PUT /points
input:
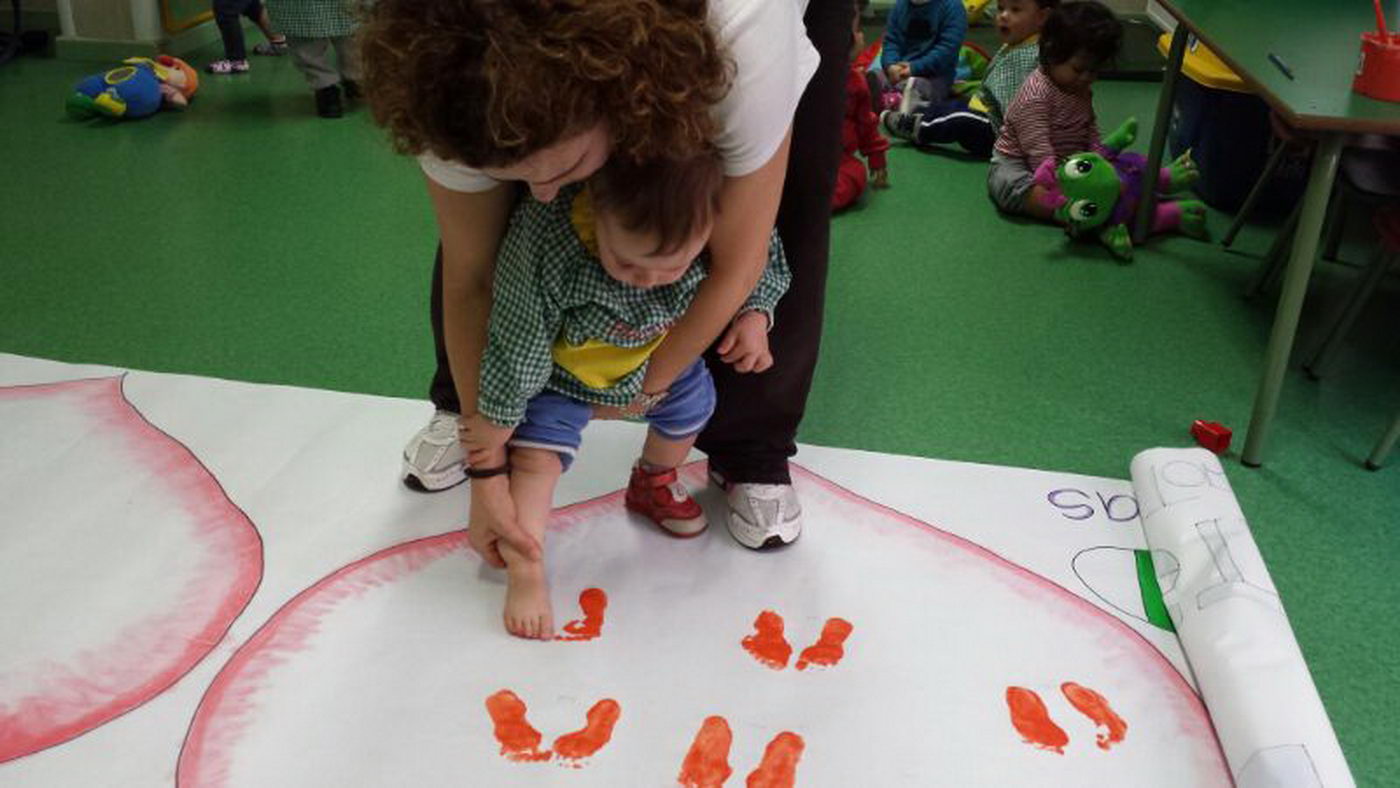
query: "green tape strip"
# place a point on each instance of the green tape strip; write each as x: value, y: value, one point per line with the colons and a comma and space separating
x: 1152, y: 602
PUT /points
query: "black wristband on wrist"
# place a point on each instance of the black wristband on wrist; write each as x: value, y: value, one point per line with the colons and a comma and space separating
x: 486, y: 473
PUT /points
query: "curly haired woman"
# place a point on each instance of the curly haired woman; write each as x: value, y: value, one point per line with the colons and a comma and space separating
x: 486, y: 92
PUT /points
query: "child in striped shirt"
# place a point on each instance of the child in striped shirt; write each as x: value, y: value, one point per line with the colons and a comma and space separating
x: 1052, y: 116
x: 586, y: 288
x: 974, y: 124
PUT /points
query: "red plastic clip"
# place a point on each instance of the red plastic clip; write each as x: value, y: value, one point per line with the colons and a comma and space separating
x: 1211, y: 435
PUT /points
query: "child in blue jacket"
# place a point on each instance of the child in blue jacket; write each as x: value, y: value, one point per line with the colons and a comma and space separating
x: 920, y: 52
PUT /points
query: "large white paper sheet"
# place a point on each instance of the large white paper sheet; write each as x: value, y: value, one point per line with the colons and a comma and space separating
x: 968, y: 624
x: 1232, y: 625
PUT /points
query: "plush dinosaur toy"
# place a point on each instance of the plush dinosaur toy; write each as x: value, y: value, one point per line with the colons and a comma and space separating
x: 135, y: 89
x: 1097, y: 194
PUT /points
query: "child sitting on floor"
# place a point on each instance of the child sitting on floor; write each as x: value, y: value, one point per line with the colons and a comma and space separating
x: 975, y: 124
x: 1052, y: 115
x: 586, y: 287
x: 859, y: 132
x: 920, y: 52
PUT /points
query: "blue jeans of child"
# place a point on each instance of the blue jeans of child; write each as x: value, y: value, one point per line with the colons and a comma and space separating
x: 555, y: 422
x: 226, y: 13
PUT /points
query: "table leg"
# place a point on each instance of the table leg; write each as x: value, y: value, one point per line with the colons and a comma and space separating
x: 1290, y: 302
x: 1165, y: 99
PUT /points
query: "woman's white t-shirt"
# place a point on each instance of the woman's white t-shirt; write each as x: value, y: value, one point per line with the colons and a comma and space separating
x: 773, y: 62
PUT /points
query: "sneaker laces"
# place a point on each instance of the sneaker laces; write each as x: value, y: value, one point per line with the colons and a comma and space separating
x: 442, y: 428
x: 764, y: 492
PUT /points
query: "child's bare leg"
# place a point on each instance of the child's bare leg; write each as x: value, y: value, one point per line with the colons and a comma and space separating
x: 265, y: 25
x: 528, y: 613
x: 659, y: 452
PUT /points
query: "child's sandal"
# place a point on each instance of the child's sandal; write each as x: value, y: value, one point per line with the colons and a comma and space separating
x: 227, y: 66
x: 273, y: 47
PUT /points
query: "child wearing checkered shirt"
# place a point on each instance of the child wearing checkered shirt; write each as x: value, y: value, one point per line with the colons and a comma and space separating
x: 586, y: 287
x: 314, y: 28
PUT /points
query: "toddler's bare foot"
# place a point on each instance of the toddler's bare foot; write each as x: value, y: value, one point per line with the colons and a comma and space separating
x: 528, y: 613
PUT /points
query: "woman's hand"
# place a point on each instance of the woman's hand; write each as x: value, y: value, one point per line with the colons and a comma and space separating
x: 480, y: 435
x: 738, y: 255
x: 745, y: 344
x: 492, y: 520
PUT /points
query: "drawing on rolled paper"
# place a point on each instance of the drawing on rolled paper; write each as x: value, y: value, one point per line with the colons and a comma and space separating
x: 1285, y: 764
x: 1179, y: 481
x: 1232, y: 581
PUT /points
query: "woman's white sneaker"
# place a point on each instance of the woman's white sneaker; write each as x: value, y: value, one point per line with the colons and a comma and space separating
x: 433, y: 459
x: 760, y: 515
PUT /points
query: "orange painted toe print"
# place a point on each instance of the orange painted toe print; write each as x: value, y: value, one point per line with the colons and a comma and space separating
x: 767, y: 644
x: 779, y: 766
x: 573, y: 747
x: 594, y: 604
x: 519, y: 740
x: 1095, y: 706
x: 1032, y: 720
x: 707, y: 763
x: 829, y: 648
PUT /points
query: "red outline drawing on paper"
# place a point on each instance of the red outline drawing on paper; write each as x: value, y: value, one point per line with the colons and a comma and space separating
x: 140, y: 652
x: 220, y: 740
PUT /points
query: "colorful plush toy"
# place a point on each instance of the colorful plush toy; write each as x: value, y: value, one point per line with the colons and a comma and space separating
x: 135, y: 89
x: 1094, y: 194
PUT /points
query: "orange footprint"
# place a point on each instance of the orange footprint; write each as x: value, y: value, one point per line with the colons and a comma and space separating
x: 594, y: 603
x: 574, y: 747
x: 767, y: 644
x: 827, y: 651
x: 521, y: 742
x: 779, y: 766
x: 1032, y: 720
x: 1095, y: 706
x: 707, y: 763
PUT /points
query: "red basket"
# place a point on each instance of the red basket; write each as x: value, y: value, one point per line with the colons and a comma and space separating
x: 1378, y: 73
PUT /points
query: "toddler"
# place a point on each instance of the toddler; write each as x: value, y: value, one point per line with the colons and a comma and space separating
x: 859, y: 132
x: 1052, y: 118
x: 974, y: 124
x: 313, y: 28
x: 1052, y: 115
x: 227, y: 15
x: 586, y: 287
x: 919, y: 56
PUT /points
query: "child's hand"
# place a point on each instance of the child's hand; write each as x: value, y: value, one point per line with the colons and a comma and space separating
x: 897, y: 73
x: 745, y: 344
x: 480, y: 435
x: 880, y: 179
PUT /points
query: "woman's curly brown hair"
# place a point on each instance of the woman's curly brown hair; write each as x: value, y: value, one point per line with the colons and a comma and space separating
x: 489, y: 82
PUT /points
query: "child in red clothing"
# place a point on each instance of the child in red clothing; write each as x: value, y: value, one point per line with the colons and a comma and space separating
x: 860, y: 130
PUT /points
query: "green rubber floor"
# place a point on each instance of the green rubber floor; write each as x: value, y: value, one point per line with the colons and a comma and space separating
x: 248, y: 239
